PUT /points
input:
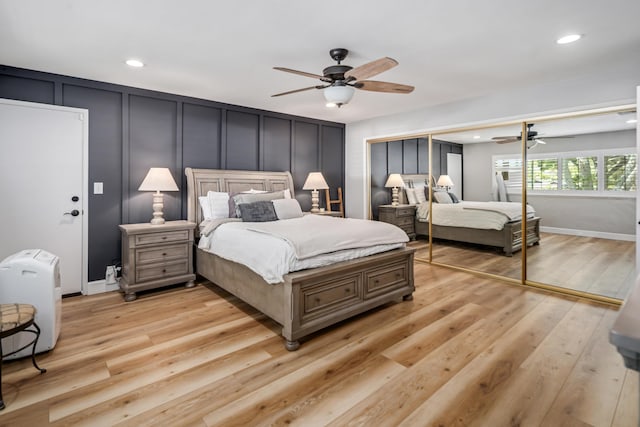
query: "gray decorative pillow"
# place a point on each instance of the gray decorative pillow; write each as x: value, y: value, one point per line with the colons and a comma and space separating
x: 454, y: 198
x: 250, y: 198
x: 261, y: 211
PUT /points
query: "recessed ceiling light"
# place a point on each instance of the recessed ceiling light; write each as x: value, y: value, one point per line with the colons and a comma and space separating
x: 476, y: 136
x: 331, y: 104
x: 632, y: 121
x: 134, y: 63
x: 569, y: 39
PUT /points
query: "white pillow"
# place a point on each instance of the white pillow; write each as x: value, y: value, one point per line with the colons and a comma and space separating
x: 219, y: 204
x: 420, y: 196
x: 287, y: 193
x: 411, y: 195
x: 205, y: 206
x: 442, y: 197
x: 287, y: 208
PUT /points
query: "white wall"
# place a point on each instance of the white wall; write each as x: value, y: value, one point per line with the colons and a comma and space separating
x: 611, y: 86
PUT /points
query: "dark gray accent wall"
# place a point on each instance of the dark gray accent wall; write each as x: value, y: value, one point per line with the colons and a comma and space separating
x: 131, y: 130
x: 408, y: 156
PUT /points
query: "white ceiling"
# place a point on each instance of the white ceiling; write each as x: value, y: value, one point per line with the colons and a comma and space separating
x: 225, y: 50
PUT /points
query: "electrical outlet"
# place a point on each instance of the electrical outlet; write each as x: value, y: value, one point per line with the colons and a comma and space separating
x: 110, y: 275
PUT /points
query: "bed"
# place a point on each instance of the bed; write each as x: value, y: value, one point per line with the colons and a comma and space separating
x: 304, y: 301
x: 504, y: 230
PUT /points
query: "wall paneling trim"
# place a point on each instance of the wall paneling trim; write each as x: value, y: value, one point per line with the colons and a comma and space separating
x: 131, y: 130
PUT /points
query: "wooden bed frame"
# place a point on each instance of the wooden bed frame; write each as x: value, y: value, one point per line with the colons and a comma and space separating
x: 309, y: 300
x: 509, y: 238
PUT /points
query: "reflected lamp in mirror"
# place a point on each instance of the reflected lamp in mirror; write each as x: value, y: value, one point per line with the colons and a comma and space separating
x: 158, y: 179
x: 444, y: 181
x: 394, y: 182
x: 315, y: 181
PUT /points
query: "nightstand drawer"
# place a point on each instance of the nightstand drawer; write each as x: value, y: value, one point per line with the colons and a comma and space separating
x: 167, y: 236
x: 407, y: 211
x: 169, y: 269
x: 404, y: 221
x: 161, y: 254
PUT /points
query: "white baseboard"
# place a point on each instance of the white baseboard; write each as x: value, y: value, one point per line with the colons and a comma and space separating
x: 588, y: 233
x: 100, y: 287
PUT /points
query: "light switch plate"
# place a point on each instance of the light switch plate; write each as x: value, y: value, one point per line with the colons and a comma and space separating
x: 97, y: 188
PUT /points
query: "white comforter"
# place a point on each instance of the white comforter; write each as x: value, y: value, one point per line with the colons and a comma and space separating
x: 482, y: 215
x: 273, y: 249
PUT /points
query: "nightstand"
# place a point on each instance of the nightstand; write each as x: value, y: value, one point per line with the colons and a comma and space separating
x: 402, y: 215
x: 156, y: 255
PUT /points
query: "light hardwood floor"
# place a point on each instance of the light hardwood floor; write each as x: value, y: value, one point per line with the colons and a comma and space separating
x: 599, y: 266
x: 465, y: 351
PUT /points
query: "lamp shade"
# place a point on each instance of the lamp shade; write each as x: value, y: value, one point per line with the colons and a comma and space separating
x: 394, y: 180
x: 158, y: 179
x: 315, y: 181
x: 444, y: 181
x: 338, y: 94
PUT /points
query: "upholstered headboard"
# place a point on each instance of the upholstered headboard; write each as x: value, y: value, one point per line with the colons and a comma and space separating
x: 201, y: 181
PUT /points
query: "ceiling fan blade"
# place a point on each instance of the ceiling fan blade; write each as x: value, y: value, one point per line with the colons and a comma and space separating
x: 375, y: 86
x: 495, y: 138
x: 299, y: 90
x: 371, y: 69
x: 507, y: 140
x: 301, y: 73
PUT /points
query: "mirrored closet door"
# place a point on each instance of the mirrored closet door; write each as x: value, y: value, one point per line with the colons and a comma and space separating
x: 476, y: 210
x: 571, y: 177
x: 581, y: 179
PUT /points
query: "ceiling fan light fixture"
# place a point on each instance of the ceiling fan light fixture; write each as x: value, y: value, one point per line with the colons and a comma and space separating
x: 338, y: 94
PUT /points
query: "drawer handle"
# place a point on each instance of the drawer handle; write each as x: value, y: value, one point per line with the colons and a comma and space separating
x: 346, y: 291
x: 164, y: 254
x: 376, y: 281
x: 164, y: 270
x: 164, y: 237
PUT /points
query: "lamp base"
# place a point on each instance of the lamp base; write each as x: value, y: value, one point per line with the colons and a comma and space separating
x: 394, y: 196
x: 157, y: 209
x: 315, y: 201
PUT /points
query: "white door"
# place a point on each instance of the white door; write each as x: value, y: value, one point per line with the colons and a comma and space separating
x: 454, y: 170
x: 43, y: 185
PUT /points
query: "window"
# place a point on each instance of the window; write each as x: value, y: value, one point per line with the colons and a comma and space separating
x: 598, y: 172
x: 580, y: 173
x: 620, y: 172
x: 542, y: 174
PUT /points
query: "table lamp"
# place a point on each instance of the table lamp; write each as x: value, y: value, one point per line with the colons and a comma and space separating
x: 445, y: 181
x: 158, y: 179
x: 394, y: 181
x: 315, y: 181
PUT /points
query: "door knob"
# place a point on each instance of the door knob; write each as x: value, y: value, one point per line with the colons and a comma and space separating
x: 74, y: 212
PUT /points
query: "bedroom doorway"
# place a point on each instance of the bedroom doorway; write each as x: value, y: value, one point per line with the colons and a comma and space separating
x: 43, y: 175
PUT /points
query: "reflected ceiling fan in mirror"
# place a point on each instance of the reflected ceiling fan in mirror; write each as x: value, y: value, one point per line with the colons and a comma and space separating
x: 341, y: 80
x: 532, y: 138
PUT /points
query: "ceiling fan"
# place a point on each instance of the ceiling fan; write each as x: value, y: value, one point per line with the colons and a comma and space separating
x: 340, y: 80
x: 532, y: 139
